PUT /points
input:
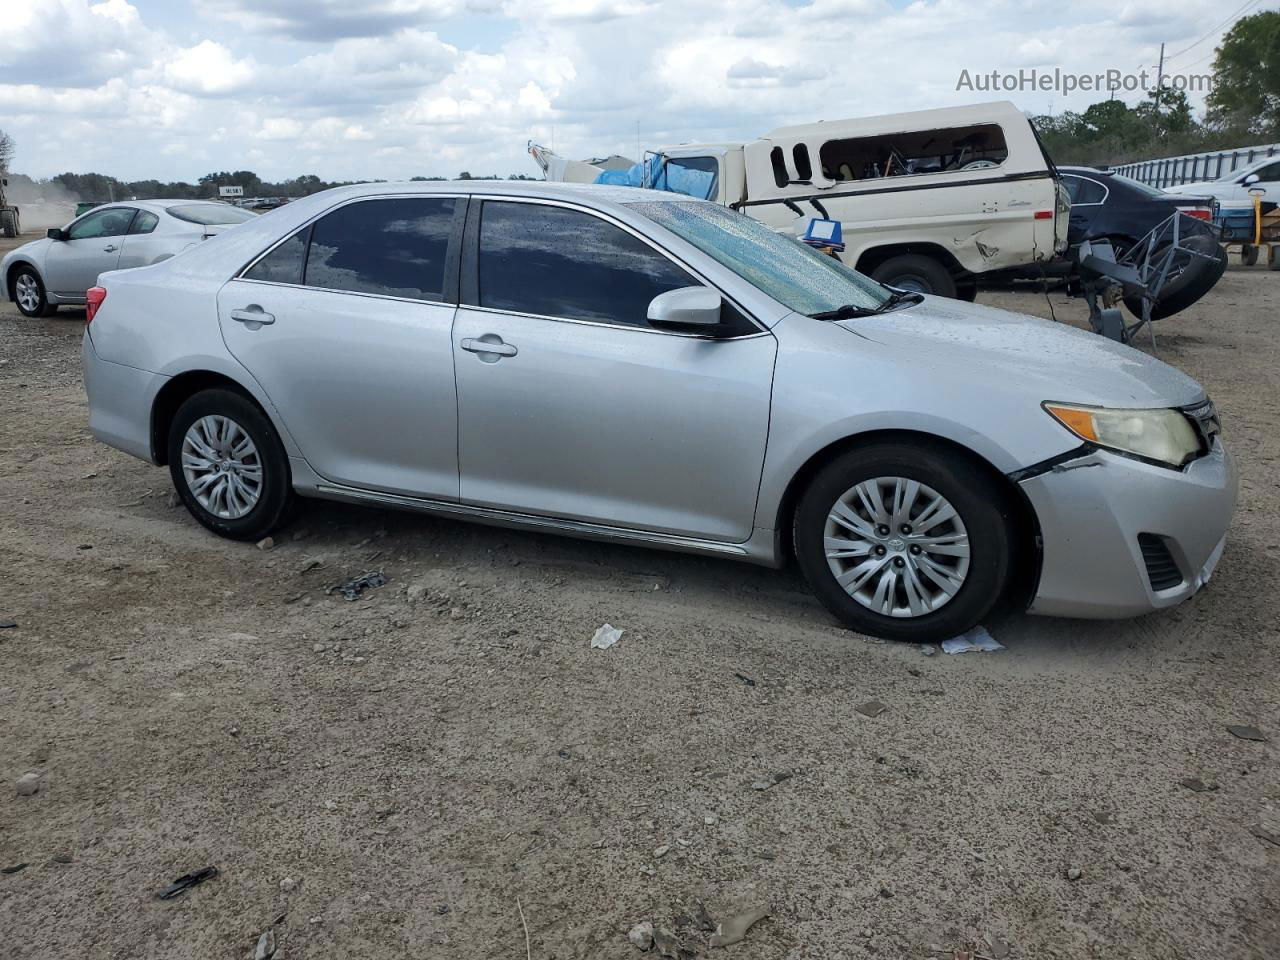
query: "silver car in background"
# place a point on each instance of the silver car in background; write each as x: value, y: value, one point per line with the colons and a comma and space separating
x: 57, y: 269
x: 656, y: 370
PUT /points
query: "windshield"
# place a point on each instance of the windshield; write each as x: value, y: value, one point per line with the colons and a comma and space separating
x: 209, y: 214
x: 789, y: 271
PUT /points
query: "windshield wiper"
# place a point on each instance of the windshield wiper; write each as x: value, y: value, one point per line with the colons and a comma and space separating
x: 846, y: 312
x: 899, y: 297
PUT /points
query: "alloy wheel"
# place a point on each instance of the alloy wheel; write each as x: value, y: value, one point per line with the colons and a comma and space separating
x: 221, y: 466
x: 896, y: 546
x: 27, y: 292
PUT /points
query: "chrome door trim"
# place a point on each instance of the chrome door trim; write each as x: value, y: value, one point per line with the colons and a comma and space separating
x: 614, y: 326
x: 345, y: 293
x: 507, y: 518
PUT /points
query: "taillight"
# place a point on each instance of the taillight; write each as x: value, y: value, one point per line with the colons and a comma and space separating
x: 1200, y: 213
x: 93, y: 298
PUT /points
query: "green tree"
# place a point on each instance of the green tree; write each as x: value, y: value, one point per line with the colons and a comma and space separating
x: 1246, y: 75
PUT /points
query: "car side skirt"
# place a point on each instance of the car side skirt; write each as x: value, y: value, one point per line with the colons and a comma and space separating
x: 759, y: 549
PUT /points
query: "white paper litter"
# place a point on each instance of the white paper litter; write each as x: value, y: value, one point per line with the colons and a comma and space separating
x: 976, y: 640
x: 605, y: 637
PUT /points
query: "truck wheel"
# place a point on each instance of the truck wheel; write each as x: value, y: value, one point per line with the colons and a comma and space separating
x: 29, y: 294
x: 907, y: 541
x: 917, y: 273
x: 9, y: 223
x: 1248, y: 255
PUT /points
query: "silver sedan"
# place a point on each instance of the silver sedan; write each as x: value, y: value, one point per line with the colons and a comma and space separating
x: 655, y: 370
x: 58, y: 268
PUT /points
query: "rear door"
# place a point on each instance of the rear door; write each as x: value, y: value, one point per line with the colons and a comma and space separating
x: 142, y: 245
x: 93, y: 247
x: 346, y: 327
x: 570, y: 405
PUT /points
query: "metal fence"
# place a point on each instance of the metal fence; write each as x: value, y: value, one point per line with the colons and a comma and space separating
x: 1174, y: 171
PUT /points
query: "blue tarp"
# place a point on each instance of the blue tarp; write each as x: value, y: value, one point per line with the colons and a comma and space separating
x: 669, y: 177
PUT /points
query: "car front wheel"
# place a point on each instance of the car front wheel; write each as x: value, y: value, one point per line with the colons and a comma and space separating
x: 29, y: 294
x: 229, y: 466
x: 904, y: 541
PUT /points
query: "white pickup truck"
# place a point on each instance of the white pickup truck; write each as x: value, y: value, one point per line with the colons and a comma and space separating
x: 928, y: 201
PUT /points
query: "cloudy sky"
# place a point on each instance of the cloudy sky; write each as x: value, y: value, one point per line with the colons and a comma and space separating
x: 346, y: 89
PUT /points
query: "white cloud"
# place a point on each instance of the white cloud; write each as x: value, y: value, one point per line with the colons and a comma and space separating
x: 208, y: 68
x: 391, y: 88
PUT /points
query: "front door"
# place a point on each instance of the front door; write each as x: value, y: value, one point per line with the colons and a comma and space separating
x: 93, y: 247
x: 346, y: 325
x: 570, y: 405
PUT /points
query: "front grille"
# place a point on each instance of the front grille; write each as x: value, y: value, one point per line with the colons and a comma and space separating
x: 1161, y: 570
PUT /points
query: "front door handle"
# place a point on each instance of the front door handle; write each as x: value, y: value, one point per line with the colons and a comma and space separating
x: 109, y: 248
x: 490, y: 344
x: 253, y: 316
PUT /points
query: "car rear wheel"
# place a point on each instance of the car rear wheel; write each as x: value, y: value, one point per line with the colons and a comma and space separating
x: 29, y: 294
x: 916, y: 273
x: 229, y: 466
x: 905, y: 541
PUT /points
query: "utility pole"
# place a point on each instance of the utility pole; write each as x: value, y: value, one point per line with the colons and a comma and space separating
x: 1159, y: 78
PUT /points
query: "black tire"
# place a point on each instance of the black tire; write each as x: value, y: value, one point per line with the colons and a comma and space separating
x: 1196, y: 279
x: 9, y: 226
x: 276, y: 499
x: 977, y: 499
x: 1249, y: 255
x: 43, y: 307
x: 915, y: 271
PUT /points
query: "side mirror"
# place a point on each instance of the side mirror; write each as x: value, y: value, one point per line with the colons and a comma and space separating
x: 1251, y: 178
x: 56, y: 233
x: 686, y: 310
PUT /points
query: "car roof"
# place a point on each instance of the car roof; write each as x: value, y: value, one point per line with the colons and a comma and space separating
x: 232, y: 249
x: 592, y: 193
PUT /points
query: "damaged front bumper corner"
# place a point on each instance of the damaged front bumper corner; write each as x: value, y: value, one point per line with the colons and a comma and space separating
x: 1122, y: 537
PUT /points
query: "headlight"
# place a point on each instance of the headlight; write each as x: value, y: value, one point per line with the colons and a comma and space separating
x: 1165, y: 436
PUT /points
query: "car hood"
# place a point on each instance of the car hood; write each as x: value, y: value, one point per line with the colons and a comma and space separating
x: 1055, y: 361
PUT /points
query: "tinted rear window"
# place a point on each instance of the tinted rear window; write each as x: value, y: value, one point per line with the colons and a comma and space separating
x: 393, y: 248
x: 209, y: 214
x: 284, y: 263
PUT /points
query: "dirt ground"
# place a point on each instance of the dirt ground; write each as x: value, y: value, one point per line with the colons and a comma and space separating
x: 432, y: 769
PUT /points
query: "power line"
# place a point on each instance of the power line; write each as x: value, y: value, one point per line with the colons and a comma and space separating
x: 1248, y: 5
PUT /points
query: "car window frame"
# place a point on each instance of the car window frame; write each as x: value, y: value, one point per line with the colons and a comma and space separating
x: 138, y: 212
x: 469, y: 281
x: 1106, y: 190
x: 452, y: 257
x: 98, y: 211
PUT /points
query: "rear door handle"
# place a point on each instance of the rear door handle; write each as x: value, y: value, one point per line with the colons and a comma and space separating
x: 251, y: 315
x: 109, y: 248
x: 489, y: 343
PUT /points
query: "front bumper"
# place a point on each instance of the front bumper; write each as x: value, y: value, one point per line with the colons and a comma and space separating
x: 1091, y: 512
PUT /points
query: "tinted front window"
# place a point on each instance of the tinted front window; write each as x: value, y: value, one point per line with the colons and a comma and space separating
x: 209, y: 214
x: 395, y: 248
x: 284, y: 263
x: 112, y: 222
x: 557, y: 262
x: 144, y: 222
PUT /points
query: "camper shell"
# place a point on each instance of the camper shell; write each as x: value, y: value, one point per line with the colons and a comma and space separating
x: 929, y: 200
